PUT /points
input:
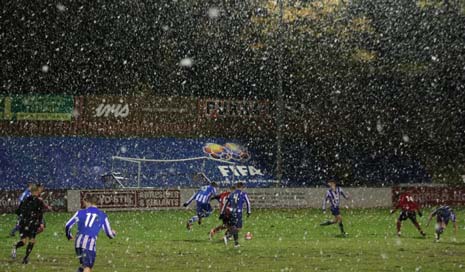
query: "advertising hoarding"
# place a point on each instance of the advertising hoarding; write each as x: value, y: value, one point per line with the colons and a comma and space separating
x: 433, y: 195
x: 56, y: 199
x: 133, y: 199
x: 37, y: 107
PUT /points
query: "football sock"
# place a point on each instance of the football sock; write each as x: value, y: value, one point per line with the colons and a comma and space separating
x: 29, y: 249
x: 399, y: 224
x: 235, y: 234
x: 341, y: 227
x: 417, y: 226
x: 19, y: 244
x: 236, y: 238
x: 421, y: 231
x: 439, y: 231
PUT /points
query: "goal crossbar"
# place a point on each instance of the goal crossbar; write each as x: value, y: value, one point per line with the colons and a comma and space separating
x: 139, y: 161
x: 131, y: 159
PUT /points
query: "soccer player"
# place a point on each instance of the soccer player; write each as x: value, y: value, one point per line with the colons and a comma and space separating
x: 222, y: 200
x: 26, y: 193
x: 90, y: 220
x: 30, y: 214
x: 409, y: 209
x: 202, y: 197
x: 333, y: 195
x: 443, y: 214
x: 42, y: 226
x: 234, y: 204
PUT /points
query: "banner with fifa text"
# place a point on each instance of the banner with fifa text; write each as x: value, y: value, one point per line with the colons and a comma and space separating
x: 84, y: 162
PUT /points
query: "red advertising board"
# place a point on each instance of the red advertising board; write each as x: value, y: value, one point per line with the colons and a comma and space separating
x: 137, y: 116
x: 136, y: 199
x: 54, y: 198
x: 433, y: 196
x: 235, y: 108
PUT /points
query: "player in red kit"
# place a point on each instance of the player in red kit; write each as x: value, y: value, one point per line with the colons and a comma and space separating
x: 409, y: 209
x: 222, y: 200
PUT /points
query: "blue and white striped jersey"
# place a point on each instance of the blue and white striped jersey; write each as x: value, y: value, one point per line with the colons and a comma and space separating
x: 90, y: 221
x: 203, y: 195
x: 24, y: 195
x: 334, y: 197
x: 236, y: 202
x: 445, y: 212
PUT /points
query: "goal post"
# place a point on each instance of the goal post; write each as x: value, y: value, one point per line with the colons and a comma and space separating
x: 143, y: 172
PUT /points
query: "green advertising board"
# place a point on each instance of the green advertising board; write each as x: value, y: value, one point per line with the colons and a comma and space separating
x: 37, y: 107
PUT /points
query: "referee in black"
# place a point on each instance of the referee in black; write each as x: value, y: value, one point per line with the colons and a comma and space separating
x: 30, y: 212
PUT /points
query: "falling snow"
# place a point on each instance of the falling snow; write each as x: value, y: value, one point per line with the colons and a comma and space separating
x: 171, y: 96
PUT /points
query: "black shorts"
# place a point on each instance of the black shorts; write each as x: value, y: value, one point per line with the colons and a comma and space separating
x: 404, y: 215
x: 28, y: 231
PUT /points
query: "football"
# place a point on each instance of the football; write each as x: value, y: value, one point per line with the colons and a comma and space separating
x: 248, y: 236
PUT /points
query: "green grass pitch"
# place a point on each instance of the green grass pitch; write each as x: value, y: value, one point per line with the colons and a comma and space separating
x: 283, y: 240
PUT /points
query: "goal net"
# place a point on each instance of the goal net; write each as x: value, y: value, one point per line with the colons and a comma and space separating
x: 185, y: 172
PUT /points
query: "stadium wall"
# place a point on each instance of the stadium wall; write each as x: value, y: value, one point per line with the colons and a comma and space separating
x: 276, y: 198
x: 294, y: 198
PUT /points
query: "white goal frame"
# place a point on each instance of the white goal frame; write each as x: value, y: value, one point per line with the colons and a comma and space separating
x: 139, y: 162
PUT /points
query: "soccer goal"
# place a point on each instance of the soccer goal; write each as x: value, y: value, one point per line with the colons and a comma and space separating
x: 184, y: 172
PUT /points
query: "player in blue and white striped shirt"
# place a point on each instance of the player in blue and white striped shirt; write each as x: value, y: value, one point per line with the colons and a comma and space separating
x: 443, y: 214
x: 90, y: 221
x: 333, y: 195
x: 202, y: 198
x: 235, y: 204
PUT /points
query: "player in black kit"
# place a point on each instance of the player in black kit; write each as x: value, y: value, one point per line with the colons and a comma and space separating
x: 30, y: 212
